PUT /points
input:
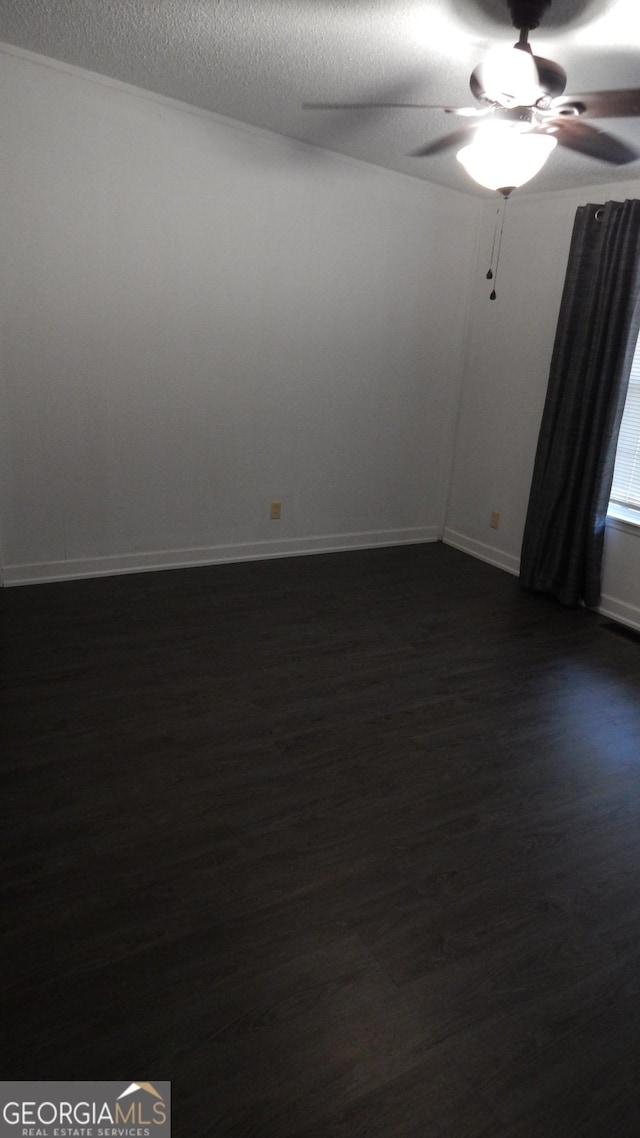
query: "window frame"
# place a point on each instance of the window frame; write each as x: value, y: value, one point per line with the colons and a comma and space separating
x: 626, y: 515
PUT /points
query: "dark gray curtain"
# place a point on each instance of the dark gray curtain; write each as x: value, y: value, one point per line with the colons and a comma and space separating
x: 595, y: 340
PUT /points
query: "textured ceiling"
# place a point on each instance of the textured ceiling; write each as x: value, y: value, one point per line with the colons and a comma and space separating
x: 259, y: 61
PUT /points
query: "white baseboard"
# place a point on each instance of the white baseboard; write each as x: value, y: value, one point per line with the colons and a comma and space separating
x: 620, y: 611
x: 483, y: 552
x: 73, y: 569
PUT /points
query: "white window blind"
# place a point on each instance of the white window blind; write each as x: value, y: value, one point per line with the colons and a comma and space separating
x: 626, y: 476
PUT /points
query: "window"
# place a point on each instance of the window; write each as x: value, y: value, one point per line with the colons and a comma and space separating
x: 625, y: 491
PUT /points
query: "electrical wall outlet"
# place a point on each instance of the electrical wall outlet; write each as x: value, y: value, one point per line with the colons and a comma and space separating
x: 495, y: 519
x: 276, y: 511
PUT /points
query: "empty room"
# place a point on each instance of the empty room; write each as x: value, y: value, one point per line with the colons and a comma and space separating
x: 320, y: 557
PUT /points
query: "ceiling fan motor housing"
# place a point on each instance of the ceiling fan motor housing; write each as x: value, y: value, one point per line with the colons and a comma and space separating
x: 527, y: 13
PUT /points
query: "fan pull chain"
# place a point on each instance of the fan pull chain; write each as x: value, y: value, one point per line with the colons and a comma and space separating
x: 491, y: 275
x: 493, y: 247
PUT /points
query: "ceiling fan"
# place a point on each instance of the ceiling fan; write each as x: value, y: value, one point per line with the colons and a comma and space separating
x: 521, y: 105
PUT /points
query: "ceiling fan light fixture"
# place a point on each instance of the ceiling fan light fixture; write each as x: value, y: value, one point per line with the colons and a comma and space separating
x: 509, y: 77
x: 504, y: 157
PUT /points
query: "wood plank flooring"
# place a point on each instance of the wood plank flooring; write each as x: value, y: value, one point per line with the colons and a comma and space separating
x: 345, y: 846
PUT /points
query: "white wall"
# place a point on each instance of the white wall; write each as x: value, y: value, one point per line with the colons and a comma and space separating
x: 504, y: 386
x: 199, y: 317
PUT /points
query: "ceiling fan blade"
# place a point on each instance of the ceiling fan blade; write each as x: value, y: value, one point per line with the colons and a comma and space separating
x: 368, y: 106
x: 576, y: 135
x: 470, y: 112
x: 456, y: 138
x: 624, y: 103
x: 462, y: 112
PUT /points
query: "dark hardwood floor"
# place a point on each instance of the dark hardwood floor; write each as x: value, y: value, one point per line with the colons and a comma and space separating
x: 346, y: 845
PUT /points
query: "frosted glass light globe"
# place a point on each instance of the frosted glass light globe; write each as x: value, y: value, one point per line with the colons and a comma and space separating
x: 503, y: 157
